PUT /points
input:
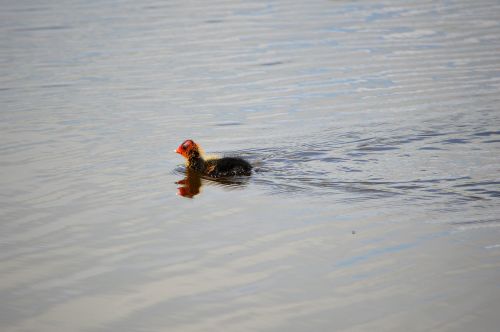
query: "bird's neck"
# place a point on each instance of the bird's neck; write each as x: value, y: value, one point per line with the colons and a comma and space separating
x: 196, y: 162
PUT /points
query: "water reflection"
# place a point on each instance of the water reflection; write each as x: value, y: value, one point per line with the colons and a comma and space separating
x: 192, y: 183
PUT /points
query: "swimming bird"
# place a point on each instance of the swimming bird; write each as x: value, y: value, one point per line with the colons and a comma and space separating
x: 212, y: 167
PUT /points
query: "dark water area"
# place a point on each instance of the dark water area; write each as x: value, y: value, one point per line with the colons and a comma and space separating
x: 373, y: 129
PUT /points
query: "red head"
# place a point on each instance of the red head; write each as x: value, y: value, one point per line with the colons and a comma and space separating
x: 186, y: 148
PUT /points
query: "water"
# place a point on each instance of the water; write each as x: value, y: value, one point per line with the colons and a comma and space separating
x: 374, y: 129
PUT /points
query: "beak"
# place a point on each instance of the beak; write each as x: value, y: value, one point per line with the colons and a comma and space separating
x: 178, y: 150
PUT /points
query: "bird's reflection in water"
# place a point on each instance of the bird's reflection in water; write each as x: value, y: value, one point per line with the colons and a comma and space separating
x: 192, y: 183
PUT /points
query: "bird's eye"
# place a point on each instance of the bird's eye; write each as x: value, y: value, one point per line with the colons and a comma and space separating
x: 185, y: 145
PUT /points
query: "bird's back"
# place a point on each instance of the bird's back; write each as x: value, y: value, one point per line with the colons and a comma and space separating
x: 228, y: 166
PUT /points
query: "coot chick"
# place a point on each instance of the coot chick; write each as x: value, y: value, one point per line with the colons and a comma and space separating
x: 215, y: 168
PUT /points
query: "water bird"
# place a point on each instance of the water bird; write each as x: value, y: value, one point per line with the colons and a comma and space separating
x: 212, y: 167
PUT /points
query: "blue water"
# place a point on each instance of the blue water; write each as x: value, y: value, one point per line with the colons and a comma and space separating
x: 373, y: 128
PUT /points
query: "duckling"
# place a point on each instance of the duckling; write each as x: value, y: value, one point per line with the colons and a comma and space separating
x: 214, y: 167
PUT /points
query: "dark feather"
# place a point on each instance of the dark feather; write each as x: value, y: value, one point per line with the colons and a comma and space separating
x: 227, y: 166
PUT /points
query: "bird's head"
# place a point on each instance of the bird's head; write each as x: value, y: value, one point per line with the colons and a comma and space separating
x: 187, y: 148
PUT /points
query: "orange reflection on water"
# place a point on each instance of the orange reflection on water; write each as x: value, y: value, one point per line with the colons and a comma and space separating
x: 192, y: 183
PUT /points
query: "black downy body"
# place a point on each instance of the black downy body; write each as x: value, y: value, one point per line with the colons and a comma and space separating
x: 216, y: 168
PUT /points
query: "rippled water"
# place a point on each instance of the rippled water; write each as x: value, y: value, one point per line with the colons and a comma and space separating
x: 373, y: 127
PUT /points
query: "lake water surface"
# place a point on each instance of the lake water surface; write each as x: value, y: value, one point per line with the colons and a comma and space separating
x: 374, y: 128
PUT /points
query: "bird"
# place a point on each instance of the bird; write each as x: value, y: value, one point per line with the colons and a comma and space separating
x: 212, y: 167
